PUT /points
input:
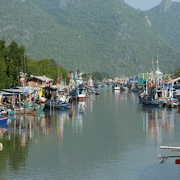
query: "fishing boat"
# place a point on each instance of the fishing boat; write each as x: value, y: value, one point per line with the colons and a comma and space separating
x: 73, y: 87
x: 28, y: 108
x: 81, y: 89
x: 81, y: 97
x: 172, y: 102
x: 147, y: 101
x: 116, y: 86
x: 3, y: 128
x: 42, y: 99
x: 3, y: 110
x: 90, y: 87
x: 149, y: 97
x: 96, y: 92
x: 58, y: 104
x: 25, y: 112
x: 73, y: 92
x: 3, y: 119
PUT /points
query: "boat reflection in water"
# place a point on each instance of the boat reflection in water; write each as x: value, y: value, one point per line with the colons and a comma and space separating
x: 25, y: 126
x: 157, y: 120
x: 35, y: 128
x: 81, y: 107
x: 63, y: 118
x: 20, y: 134
x: 77, y: 119
x: 17, y: 137
x: 70, y: 118
x: 56, y: 119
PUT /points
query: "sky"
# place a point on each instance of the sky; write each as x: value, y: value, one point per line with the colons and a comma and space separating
x: 144, y: 4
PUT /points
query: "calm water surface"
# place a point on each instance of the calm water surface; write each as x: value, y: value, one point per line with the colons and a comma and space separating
x: 113, y: 138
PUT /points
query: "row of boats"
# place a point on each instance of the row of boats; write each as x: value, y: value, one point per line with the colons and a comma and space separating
x: 160, y: 97
x: 157, y: 89
x: 31, y: 100
x: 27, y: 100
x: 164, y: 95
x: 155, y: 96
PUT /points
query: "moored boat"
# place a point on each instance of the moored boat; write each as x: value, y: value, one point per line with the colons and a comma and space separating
x: 58, y: 105
x: 25, y: 112
x: 42, y: 99
x: 153, y: 102
x: 96, y: 92
x: 172, y: 102
x: 3, y: 110
x: 81, y: 97
x: 116, y: 86
x: 3, y: 128
x: 3, y: 119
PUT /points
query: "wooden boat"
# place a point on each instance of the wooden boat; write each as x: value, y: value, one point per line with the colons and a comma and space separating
x: 25, y: 111
x: 147, y: 101
x: 81, y: 97
x: 29, y: 109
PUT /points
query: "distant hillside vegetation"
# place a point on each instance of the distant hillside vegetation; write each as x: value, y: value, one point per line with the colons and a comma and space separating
x: 165, y: 19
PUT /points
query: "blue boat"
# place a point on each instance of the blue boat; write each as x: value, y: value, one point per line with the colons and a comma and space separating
x: 73, y: 92
x: 57, y: 105
x: 177, y: 86
x: 154, y: 102
x: 3, y: 127
x: 3, y: 119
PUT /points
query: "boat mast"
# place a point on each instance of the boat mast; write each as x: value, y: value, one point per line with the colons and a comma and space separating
x: 152, y: 73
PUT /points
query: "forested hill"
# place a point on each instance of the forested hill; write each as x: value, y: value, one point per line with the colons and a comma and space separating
x: 165, y: 19
x: 93, y: 35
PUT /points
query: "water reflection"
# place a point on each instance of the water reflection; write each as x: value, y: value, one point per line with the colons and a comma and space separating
x: 73, y: 118
x: 123, y: 96
x: 77, y: 120
x: 56, y: 119
x: 18, y: 135
x: 94, y: 140
x: 158, y: 121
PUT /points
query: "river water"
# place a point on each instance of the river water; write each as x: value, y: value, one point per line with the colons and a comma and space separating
x: 114, y: 137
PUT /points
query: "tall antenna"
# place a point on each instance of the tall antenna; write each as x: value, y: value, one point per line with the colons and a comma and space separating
x: 152, y: 63
x: 157, y: 61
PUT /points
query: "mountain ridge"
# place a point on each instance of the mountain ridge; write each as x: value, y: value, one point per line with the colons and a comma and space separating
x: 165, y: 20
x: 112, y: 38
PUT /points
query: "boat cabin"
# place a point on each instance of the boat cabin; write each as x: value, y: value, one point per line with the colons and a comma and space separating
x: 40, y: 81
